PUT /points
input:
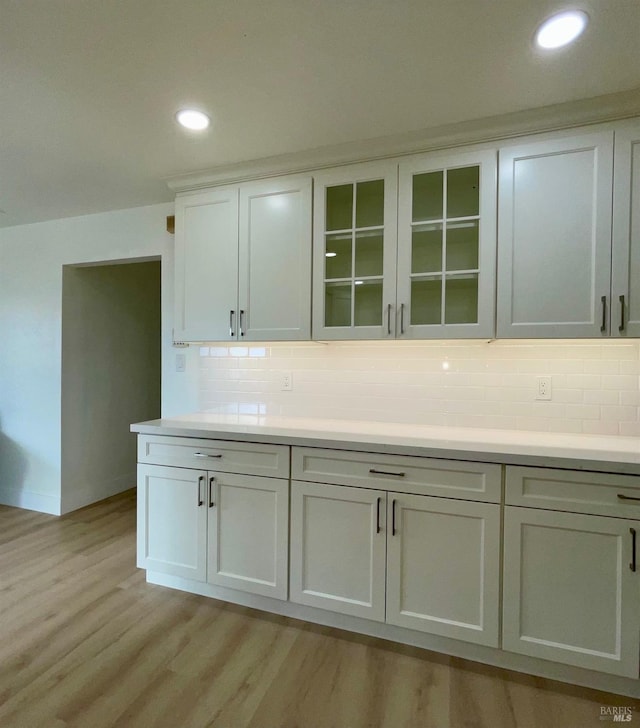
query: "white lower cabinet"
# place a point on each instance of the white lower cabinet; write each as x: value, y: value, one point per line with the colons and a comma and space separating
x: 571, y: 593
x: 443, y: 567
x: 338, y: 548
x: 223, y: 528
x: 437, y: 559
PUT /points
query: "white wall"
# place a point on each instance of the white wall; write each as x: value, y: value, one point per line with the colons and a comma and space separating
x: 460, y: 383
x: 111, y: 344
x: 31, y: 260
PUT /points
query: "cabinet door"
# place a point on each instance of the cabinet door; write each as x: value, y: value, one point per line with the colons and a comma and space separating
x: 443, y: 567
x: 338, y: 549
x: 354, y: 259
x: 248, y: 533
x: 172, y: 521
x: 275, y: 260
x: 206, y: 266
x: 569, y: 594
x: 554, y: 237
x: 447, y: 245
x: 625, y: 278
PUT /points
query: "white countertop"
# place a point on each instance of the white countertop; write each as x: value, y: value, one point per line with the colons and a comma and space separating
x: 596, y: 452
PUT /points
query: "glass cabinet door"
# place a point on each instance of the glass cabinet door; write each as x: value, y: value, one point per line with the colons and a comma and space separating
x: 446, y: 245
x: 354, y: 257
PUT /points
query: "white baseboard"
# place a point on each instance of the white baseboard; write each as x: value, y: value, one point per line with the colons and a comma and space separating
x: 75, y: 498
x: 30, y: 500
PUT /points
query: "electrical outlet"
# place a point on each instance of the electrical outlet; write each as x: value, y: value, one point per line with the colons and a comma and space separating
x: 181, y: 362
x: 543, y: 389
x: 286, y: 381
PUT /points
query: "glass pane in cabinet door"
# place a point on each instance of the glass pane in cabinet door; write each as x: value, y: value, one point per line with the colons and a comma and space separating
x: 337, y: 304
x: 427, y: 197
x: 369, y: 253
x: 368, y: 303
x: 463, y: 192
x: 370, y: 203
x: 426, y: 248
x: 338, y: 256
x: 426, y: 301
x: 462, y: 245
x: 339, y: 212
x: 461, y: 300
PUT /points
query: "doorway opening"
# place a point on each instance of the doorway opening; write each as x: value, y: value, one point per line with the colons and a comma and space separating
x: 111, y: 371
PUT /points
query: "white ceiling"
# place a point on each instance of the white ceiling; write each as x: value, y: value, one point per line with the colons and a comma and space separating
x: 89, y: 88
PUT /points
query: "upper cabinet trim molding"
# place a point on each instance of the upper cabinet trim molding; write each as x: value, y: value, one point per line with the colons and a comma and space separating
x: 612, y: 107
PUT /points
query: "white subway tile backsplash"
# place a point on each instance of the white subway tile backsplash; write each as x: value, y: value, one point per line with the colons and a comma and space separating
x: 595, y: 385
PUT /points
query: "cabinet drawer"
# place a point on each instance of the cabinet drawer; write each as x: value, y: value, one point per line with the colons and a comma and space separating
x: 400, y: 473
x: 222, y: 455
x: 574, y: 491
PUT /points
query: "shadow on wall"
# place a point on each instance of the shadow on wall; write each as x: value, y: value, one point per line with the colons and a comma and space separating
x: 13, y: 463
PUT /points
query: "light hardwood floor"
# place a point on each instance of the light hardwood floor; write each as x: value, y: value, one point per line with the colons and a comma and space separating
x: 86, y: 643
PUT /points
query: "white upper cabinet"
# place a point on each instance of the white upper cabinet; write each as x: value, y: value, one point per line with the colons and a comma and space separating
x: 447, y: 245
x: 354, y: 261
x: 407, y: 259
x: 554, y: 236
x: 625, y: 275
x: 243, y: 262
x: 206, y: 265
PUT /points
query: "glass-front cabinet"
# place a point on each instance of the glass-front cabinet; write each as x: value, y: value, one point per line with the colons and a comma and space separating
x: 355, y: 232
x: 406, y: 249
x: 446, y: 245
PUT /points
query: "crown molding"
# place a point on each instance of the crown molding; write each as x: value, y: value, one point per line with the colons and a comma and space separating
x: 621, y: 105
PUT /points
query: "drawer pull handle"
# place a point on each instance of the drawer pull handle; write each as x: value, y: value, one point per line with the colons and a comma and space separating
x: 393, y: 517
x: 211, y: 503
x: 386, y: 472
x: 200, y: 481
x: 205, y: 455
x: 627, y: 497
x: 378, y: 515
x: 632, y: 565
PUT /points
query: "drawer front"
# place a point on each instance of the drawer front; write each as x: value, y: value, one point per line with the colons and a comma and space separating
x: 574, y: 491
x: 218, y: 455
x: 399, y: 473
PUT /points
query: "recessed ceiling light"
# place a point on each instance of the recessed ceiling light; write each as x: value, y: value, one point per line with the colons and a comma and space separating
x: 561, y: 28
x: 192, y: 119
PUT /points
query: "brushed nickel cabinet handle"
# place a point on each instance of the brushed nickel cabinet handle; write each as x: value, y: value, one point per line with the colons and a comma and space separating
x: 621, y: 327
x: 603, y: 325
x: 627, y: 497
x: 211, y: 503
x: 205, y: 455
x: 200, y: 482
x: 373, y: 471
x: 378, y: 515
x: 632, y: 565
x: 240, y: 322
x: 232, y: 313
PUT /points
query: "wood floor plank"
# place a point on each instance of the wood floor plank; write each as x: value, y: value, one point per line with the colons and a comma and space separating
x: 85, y: 642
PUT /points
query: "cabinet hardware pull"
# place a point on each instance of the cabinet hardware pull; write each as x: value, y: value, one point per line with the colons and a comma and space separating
x: 232, y: 313
x: 393, y: 517
x: 386, y: 472
x: 378, y: 515
x: 627, y: 497
x: 621, y: 327
x: 200, y: 481
x: 603, y: 325
x: 402, y: 318
x: 240, y: 322
x: 632, y: 565
x: 389, y: 319
x: 211, y: 503
x: 204, y: 455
